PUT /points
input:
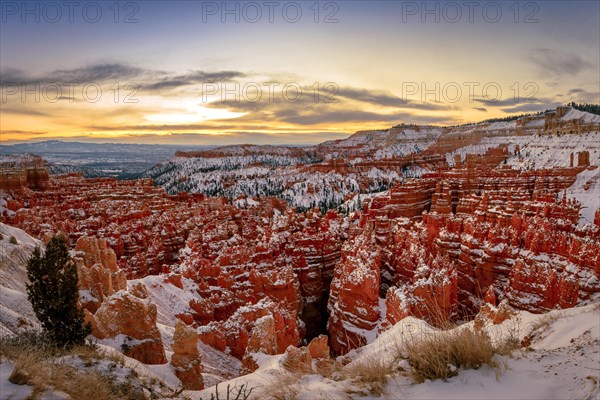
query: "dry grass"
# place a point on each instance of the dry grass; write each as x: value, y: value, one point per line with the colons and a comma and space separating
x: 283, y: 386
x: 440, y: 355
x: 371, y: 372
x: 39, y: 365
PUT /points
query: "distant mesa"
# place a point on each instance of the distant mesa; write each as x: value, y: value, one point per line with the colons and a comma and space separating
x: 23, y: 171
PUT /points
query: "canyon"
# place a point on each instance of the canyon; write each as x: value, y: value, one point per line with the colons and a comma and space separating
x: 313, y: 252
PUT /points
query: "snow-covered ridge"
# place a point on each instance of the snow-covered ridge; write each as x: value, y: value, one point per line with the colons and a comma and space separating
x: 586, y: 117
x: 10, y: 160
x: 330, y: 173
x: 16, y: 314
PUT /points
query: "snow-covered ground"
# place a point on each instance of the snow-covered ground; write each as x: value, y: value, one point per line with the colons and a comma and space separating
x: 537, y: 151
x: 586, y: 190
x: 563, y: 362
x: 486, y: 144
x: 549, y: 151
x: 395, y: 142
x: 156, y: 381
x: 555, y: 151
x: 232, y: 177
x: 235, y: 171
x: 16, y: 314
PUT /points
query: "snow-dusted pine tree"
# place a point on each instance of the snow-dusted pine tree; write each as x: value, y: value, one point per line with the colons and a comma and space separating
x: 54, y: 294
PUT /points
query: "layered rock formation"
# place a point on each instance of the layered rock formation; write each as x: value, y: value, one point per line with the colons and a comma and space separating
x: 112, y: 311
x: 99, y: 275
x: 354, y: 301
x: 132, y: 320
x: 314, y: 358
x: 263, y: 340
x: 325, y: 175
x: 431, y: 295
x: 186, y: 359
x: 20, y: 172
x: 495, y: 234
x: 248, y: 323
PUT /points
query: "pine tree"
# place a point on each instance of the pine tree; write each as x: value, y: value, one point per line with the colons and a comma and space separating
x: 54, y: 294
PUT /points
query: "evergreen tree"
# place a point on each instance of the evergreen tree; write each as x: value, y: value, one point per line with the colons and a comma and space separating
x: 54, y: 294
x: 591, y: 108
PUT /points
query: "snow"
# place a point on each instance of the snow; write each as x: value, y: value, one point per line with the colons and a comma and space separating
x: 586, y: 190
x: 170, y: 300
x: 588, y: 118
x: 516, y: 383
x: 549, y: 151
x: 111, y: 363
x: 16, y: 314
x: 563, y: 362
x: 486, y: 144
x: 566, y: 329
x: 277, y: 171
x: 8, y: 390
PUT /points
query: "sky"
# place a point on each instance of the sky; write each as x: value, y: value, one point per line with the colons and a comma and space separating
x: 284, y: 72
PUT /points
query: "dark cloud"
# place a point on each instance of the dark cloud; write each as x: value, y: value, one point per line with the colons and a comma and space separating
x: 483, y: 109
x: 555, y: 62
x: 12, y: 132
x: 511, y: 101
x: 279, y: 138
x: 116, y: 72
x: 90, y: 74
x: 582, y: 95
x: 525, y: 108
x: 387, y: 99
x: 174, y: 127
x: 185, y: 141
x: 160, y: 128
x: 11, y: 76
x: 23, y: 111
x: 306, y: 112
x: 193, y: 78
x: 254, y: 100
x: 97, y: 73
x: 338, y: 116
x: 345, y: 107
x: 279, y: 102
